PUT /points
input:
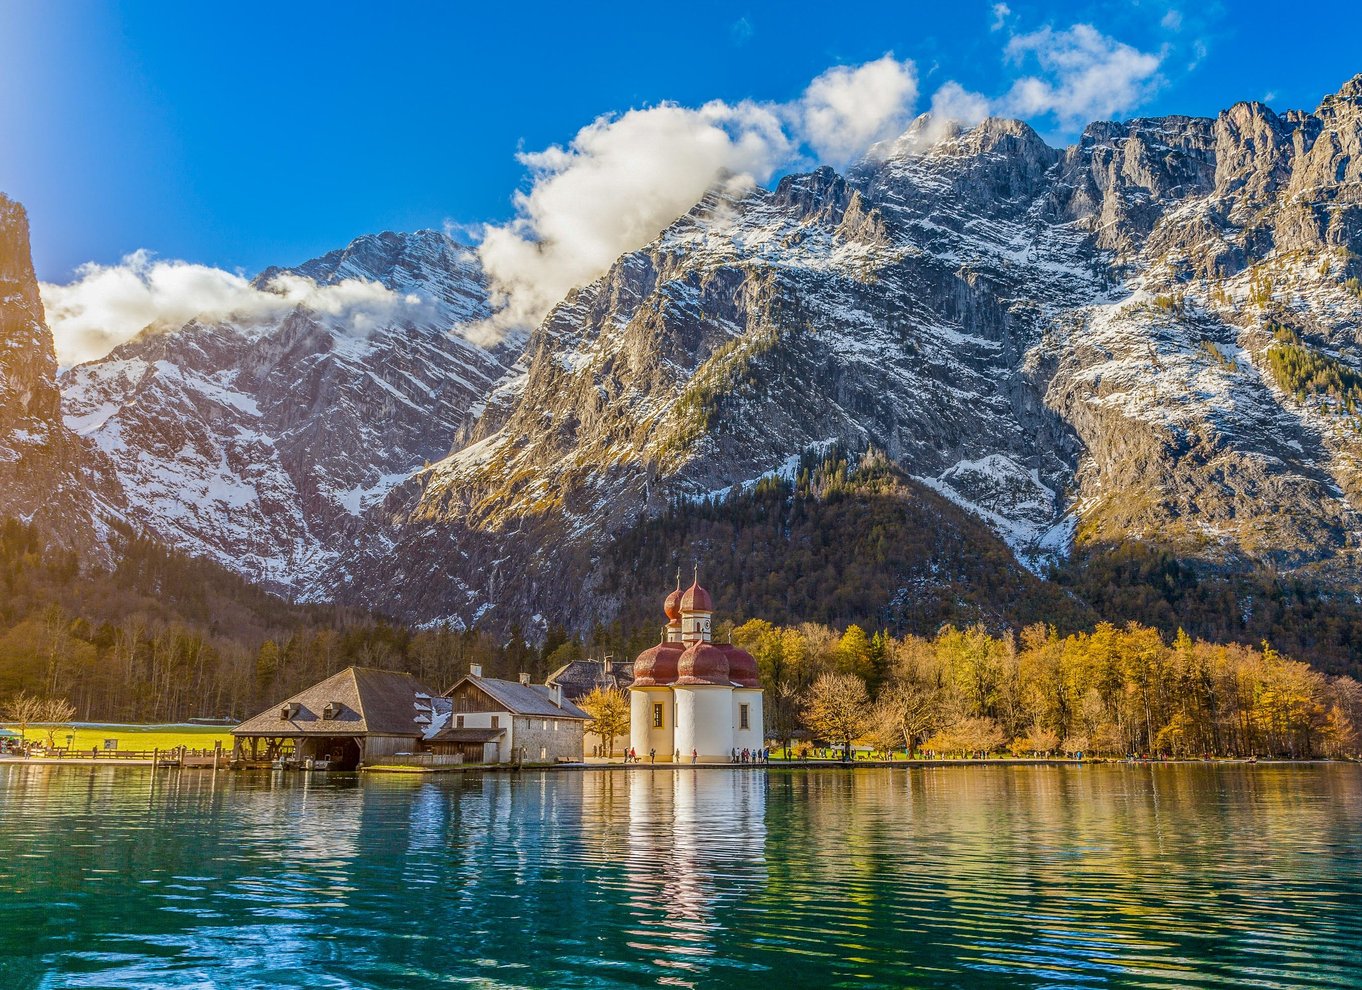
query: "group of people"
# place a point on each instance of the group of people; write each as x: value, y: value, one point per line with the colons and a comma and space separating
x: 631, y: 755
x: 752, y: 755
x: 739, y: 756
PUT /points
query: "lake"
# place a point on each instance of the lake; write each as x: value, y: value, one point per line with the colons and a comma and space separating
x: 1091, y: 876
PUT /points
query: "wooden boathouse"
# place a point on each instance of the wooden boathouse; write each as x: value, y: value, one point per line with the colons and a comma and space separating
x: 354, y: 717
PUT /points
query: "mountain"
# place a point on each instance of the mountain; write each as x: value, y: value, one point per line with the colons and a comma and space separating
x: 47, y: 475
x: 1148, y: 337
x: 1132, y: 360
x: 260, y: 444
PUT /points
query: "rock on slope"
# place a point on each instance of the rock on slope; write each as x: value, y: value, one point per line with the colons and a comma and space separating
x: 46, y: 474
x: 259, y: 445
x: 1093, y: 345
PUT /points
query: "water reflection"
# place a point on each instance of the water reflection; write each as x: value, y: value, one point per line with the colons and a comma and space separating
x: 696, y: 844
x: 1019, y: 877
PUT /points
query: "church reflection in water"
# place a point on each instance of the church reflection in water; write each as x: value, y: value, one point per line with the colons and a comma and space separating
x: 695, y: 847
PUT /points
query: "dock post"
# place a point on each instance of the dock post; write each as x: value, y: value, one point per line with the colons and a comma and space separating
x: 155, y: 757
x: 217, y: 754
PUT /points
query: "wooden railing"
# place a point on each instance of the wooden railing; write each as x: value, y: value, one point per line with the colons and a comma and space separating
x: 197, y: 757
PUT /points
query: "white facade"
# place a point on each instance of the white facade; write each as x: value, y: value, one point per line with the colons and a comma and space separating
x: 693, y: 699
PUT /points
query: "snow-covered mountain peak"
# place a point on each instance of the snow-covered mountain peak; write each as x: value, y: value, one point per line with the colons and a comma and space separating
x: 428, y: 264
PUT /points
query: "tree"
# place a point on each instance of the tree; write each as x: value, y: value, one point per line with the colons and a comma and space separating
x: 968, y: 735
x: 610, y: 716
x: 1040, y: 741
x: 910, y: 710
x: 56, y: 713
x: 782, y: 712
x: 837, y: 707
x: 22, y: 710
x: 853, y: 653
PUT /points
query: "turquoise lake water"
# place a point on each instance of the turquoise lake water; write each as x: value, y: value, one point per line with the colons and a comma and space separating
x: 1066, y: 877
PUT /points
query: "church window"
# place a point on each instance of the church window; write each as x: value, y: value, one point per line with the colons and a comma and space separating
x: 657, y: 716
x: 742, y: 717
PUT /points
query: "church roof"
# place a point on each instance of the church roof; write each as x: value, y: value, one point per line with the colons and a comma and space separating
x: 696, y: 599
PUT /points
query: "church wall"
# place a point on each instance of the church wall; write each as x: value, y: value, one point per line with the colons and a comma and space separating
x: 643, y: 736
x: 704, y: 721
x: 754, y: 736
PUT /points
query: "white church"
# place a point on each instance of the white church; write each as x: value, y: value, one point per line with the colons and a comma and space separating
x: 692, y: 697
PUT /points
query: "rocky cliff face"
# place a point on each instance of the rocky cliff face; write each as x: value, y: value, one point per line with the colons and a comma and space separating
x: 261, y: 445
x: 46, y: 474
x: 1080, y: 347
x: 1151, y: 335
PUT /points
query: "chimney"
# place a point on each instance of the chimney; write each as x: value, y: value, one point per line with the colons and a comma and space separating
x: 524, y: 678
x: 556, y: 693
x: 475, y: 669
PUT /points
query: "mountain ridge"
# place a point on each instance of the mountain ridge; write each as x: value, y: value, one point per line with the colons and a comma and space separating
x: 1147, y: 337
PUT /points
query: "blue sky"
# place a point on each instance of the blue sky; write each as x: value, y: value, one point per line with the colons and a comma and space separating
x: 245, y: 135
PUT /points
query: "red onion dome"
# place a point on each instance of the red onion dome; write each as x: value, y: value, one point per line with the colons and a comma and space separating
x: 672, y: 606
x: 656, y: 666
x: 696, y: 599
x: 702, y: 663
x: 742, y: 666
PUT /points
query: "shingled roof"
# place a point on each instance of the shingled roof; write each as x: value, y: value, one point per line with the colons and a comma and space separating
x: 579, y: 677
x: 365, y: 701
x: 523, y: 699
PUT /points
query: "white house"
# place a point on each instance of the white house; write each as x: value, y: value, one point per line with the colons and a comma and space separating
x: 496, y: 721
x: 692, y: 697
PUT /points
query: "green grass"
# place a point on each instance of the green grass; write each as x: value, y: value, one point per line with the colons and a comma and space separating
x: 134, y: 737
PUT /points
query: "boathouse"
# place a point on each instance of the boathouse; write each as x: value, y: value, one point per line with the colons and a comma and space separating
x: 513, y: 721
x: 351, y: 718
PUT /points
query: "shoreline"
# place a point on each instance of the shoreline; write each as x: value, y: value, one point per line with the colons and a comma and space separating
x: 591, y: 766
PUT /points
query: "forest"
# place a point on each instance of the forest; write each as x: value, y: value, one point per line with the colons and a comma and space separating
x: 861, y: 543
x: 161, y: 637
x: 1111, y: 691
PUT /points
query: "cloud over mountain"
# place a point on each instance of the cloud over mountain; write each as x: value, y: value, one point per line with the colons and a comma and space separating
x: 108, y: 304
x: 620, y: 180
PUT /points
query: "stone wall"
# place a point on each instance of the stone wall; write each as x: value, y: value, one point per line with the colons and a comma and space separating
x: 561, y: 740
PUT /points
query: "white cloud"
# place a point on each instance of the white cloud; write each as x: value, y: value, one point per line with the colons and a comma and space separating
x: 109, y: 304
x: 620, y: 181
x: 953, y: 102
x: 1199, y: 53
x: 1086, y: 75
x: 741, y: 31
x: 1172, y: 20
x: 846, y: 110
x: 623, y: 178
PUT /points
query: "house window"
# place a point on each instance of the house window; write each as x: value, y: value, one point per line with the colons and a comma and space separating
x: 496, y: 721
x: 458, y: 724
x: 546, y: 725
x: 742, y: 717
x: 657, y: 716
